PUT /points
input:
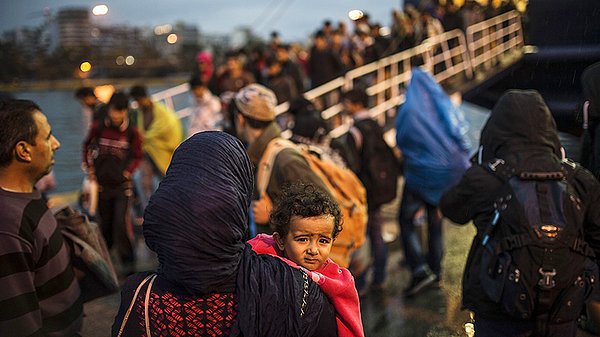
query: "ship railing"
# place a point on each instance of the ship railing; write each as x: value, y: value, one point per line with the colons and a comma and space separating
x: 451, y: 57
x: 495, y: 40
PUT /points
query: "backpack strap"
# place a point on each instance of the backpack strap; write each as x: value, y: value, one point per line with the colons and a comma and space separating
x: 358, y: 137
x: 265, y: 166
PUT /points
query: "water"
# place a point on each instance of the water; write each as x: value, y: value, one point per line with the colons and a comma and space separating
x: 68, y: 125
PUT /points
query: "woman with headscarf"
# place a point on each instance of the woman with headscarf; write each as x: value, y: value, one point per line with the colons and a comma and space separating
x: 209, y: 282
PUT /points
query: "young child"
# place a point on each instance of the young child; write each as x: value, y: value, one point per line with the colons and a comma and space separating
x: 306, y: 222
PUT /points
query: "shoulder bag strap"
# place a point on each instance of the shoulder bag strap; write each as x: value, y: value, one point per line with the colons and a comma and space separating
x: 137, y: 291
x: 265, y: 166
x: 146, y: 301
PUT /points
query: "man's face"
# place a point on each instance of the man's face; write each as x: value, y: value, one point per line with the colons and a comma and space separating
x: 42, y: 153
x: 117, y: 117
x: 144, y: 102
x: 199, y: 91
x: 350, y: 107
x: 282, y: 54
x: 89, y: 101
x: 240, y: 126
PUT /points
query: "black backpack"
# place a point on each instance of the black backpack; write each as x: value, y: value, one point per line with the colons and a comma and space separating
x: 109, y: 167
x: 380, y: 168
x: 534, y: 260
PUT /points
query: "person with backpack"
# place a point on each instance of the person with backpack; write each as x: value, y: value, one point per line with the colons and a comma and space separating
x: 111, y: 153
x: 378, y: 170
x: 279, y: 162
x: 532, y: 263
x: 255, y: 125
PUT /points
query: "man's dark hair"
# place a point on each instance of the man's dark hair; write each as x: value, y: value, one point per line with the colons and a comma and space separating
x: 320, y: 34
x: 119, y: 100
x: 196, y: 81
x: 357, y: 96
x: 271, y: 60
x: 16, y: 124
x: 308, y: 122
x: 304, y: 201
x: 285, y: 46
x: 233, y: 54
x: 138, y: 91
x: 84, y: 92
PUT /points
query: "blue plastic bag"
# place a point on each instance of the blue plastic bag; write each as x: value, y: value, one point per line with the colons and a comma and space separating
x: 432, y: 135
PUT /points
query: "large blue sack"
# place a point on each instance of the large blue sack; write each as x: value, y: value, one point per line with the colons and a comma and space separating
x: 432, y: 135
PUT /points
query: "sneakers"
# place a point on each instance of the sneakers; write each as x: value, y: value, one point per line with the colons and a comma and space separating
x: 420, y: 282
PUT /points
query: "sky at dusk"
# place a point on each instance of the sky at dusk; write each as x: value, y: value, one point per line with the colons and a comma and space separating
x: 294, y: 19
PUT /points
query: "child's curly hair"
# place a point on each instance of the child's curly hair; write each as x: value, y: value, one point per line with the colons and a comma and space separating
x: 305, y: 201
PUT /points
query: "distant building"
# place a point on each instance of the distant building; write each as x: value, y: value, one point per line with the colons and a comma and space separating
x: 72, y: 28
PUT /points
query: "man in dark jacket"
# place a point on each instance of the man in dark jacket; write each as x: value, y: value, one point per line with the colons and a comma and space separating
x: 521, y: 132
x: 590, y: 149
x: 255, y: 125
x: 111, y: 153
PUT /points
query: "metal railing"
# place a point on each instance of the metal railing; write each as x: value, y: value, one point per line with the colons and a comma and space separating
x: 451, y: 56
x: 493, y: 40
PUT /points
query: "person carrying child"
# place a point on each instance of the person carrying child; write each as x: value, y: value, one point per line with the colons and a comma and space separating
x: 307, y: 221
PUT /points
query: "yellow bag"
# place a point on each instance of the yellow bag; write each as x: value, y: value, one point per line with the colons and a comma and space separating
x: 343, y: 185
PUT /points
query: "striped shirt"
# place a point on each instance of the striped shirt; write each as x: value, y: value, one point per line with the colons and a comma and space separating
x: 39, y: 294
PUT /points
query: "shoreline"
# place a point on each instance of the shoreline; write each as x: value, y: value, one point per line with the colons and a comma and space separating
x: 72, y: 84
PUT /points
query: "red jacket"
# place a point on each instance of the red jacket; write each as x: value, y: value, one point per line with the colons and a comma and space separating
x: 337, y: 284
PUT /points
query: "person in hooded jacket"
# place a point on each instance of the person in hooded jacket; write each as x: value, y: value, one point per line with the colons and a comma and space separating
x: 522, y: 132
x: 590, y: 147
x: 209, y: 281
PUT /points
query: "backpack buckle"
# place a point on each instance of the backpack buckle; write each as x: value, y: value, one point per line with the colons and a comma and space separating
x: 548, y: 231
x: 495, y: 164
x: 547, y: 281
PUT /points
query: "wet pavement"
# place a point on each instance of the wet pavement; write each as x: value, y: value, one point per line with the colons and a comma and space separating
x: 435, y: 312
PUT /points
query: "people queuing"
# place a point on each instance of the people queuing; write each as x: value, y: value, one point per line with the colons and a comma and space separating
x: 187, y: 210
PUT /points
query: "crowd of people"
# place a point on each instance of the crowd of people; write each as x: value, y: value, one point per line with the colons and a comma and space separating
x: 238, y: 259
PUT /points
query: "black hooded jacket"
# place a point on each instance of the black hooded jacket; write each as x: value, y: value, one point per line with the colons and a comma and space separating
x: 521, y: 131
x: 590, y: 150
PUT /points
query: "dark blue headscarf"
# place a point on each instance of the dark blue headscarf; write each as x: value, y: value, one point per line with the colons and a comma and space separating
x: 196, y: 222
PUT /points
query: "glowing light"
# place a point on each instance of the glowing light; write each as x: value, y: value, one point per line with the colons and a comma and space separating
x: 385, y: 31
x: 172, y: 38
x: 129, y: 60
x: 99, y: 10
x: 163, y: 29
x: 355, y: 14
x: 85, y: 66
x: 120, y: 60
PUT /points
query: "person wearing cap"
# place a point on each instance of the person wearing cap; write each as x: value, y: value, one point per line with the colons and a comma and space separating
x: 255, y: 125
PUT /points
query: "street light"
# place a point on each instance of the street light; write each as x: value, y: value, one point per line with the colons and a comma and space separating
x: 85, y: 66
x: 172, y: 38
x: 100, y: 10
x: 355, y: 14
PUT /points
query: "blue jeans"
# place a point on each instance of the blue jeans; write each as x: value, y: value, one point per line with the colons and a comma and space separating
x: 416, y: 260
x: 379, y: 250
